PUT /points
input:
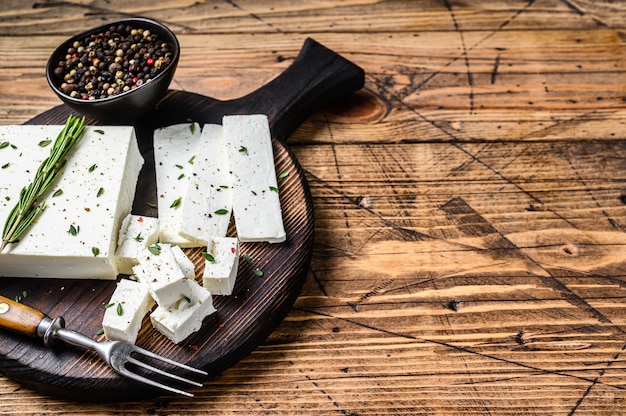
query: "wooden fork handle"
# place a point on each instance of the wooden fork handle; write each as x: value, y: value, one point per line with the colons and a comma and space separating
x: 20, y: 318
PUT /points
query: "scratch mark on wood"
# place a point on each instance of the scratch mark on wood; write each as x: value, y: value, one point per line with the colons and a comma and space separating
x: 595, y: 382
x: 470, y: 76
x: 254, y: 15
x: 581, y: 12
x: 494, y: 71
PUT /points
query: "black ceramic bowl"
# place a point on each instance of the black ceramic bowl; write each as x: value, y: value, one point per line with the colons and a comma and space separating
x: 125, y: 106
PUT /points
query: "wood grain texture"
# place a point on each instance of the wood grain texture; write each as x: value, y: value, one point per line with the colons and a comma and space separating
x: 469, y: 204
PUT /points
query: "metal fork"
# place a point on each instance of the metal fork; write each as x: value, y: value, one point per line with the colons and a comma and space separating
x: 119, y: 355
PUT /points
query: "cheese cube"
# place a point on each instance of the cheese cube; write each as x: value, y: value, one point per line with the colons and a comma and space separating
x: 174, y: 151
x: 220, y: 273
x: 129, y: 304
x: 76, y: 235
x: 182, y: 319
x: 136, y: 233
x: 208, y: 203
x: 162, y: 274
x: 256, y: 203
x: 186, y: 265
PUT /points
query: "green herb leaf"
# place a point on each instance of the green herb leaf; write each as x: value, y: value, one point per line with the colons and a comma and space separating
x: 182, y: 175
x: 119, y: 311
x: 283, y: 175
x: 151, y: 204
x: 92, y: 167
x: 243, y: 149
x: 179, y: 166
x: 274, y: 189
x: 190, y: 161
x: 100, y: 332
x: 95, y: 251
x: 44, y: 143
x: 6, y: 165
x: 247, y: 258
x: 73, y: 229
x: 139, y: 238
x: 192, y: 128
x: 108, y: 305
x: 100, y: 192
x: 155, y: 249
x: 4, y: 144
x: 258, y: 272
x: 221, y: 212
x: 58, y: 192
x: 99, y: 131
x: 209, y: 257
x: 187, y: 299
x: 176, y: 202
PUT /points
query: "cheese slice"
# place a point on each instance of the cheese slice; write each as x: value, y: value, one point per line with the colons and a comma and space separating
x: 220, y: 272
x: 256, y: 203
x: 163, y: 276
x: 208, y: 201
x: 180, y: 320
x: 129, y: 304
x: 91, y: 198
x: 136, y: 233
x: 174, y: 151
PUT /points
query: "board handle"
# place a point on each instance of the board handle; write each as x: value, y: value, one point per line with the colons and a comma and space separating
x: 20, y: 318
x: 315, y: 78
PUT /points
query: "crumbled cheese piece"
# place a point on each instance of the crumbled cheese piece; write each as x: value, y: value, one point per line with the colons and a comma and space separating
x: 185, y: 317
x: 130, y: 302
x: 163, y: 275
x: 208, y: 200
x: 91, y: 196
x: 256, y: 203
x: 186, y: 265
x: 174, y: 151
x: 220, y: 273
x: 136, y: 233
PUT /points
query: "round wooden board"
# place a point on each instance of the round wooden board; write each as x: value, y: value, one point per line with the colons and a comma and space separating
x: 243, y: 320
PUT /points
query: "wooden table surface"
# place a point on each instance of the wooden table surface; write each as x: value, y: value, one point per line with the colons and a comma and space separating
x: 470, y: 201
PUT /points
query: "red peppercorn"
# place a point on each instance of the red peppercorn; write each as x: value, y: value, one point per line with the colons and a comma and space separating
x: 150, y: 61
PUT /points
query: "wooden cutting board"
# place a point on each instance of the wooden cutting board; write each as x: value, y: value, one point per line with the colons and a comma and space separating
x: 317, y: 77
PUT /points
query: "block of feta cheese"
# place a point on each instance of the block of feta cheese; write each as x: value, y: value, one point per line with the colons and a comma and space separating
x: 186, y: 265
x: 136, y: 233
x: 256, y: 203
x: 180, y: 320
x: 220, y: 272
x: 129, y: 304
x: 208, y: 204
x: 174, y: 151
x: 76, y: 235
x: 160, y: 271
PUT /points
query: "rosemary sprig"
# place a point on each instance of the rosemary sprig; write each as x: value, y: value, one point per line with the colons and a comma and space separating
x: 28, y: 206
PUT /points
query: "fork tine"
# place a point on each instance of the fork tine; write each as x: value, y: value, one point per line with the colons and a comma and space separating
x: 162, y: 372
x: 126, y: 372
x: 150, y: 354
